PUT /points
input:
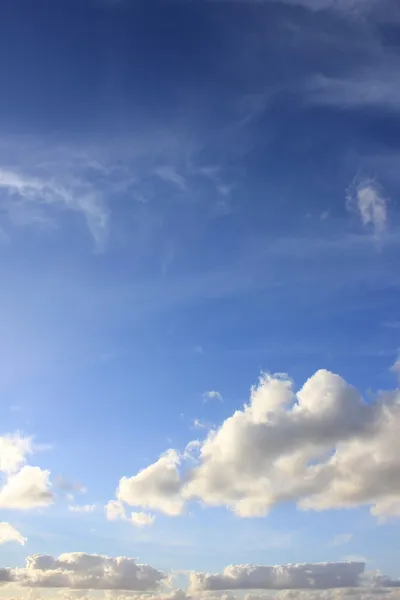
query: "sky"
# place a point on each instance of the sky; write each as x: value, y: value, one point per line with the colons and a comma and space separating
x: 199, y: 301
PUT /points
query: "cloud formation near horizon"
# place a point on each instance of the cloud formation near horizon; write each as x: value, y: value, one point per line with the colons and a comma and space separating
x: 312, y: 447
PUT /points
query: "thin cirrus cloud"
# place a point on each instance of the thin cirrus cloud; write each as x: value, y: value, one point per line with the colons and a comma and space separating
x: 311, y: 447
x: 32, y: 200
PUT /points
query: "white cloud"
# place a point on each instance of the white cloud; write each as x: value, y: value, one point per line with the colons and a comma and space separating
x: 366, y: 198
x: 82, y: 508
x: 341, y: 539
x: 29, y: 488
x: 30, y: 198
x: 372, y: 87
x: 200, y: 424
x: 313, y: 448
x: 115, y: 510
x: 157, y: 487
x: 142, y: 519
x: 291, y: 576
x: 212, y: 395
x: 8, y: 533
x: 78, y: 570
x: 170, y: 174
x: 13, y: 452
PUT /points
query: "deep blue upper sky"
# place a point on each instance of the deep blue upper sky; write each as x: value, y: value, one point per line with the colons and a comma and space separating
x: 192, y: 192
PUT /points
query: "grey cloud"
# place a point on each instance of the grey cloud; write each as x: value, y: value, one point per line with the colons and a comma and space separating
x: 78, y: 570
x: 291, y: 576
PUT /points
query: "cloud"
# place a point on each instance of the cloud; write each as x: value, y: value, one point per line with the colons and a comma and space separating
x: 291, y: 576
x: 14, y: 450
x: 30, y: 198
x: 170, y: 174
x: 200, y: 424
x: 23, y: 486
x: 212, y: 395
x: 341, y: 538
x: 8, y: 533
x: 142, y: 519
x: 313, y: 448
x: 115, y: 510
x: 78, y: 570
x: 84, y: 508
x: 373, y: 87
x: 157, y: 487
x: 366, y: 198
x: 29, y: 488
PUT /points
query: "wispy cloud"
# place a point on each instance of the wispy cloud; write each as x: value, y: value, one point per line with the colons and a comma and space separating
x: 8, y: 533
x: 212, y: 395
x: 30, y: 201
x: 171, y: 175
x: 366, y: 198
x: 84, y: 508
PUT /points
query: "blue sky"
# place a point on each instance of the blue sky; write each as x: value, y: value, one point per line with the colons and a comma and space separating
x: 193, y: 194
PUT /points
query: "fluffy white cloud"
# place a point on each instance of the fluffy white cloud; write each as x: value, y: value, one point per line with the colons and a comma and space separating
x: 77, y: 570
x: 323, y: 447
x: 367, y: 199
x: 8, y: 533
x: 29, y: 488
x: 141, y: 519
x: 158, y: 487
x: 21, y: 486
x: 82, y: 508
x: 13, y: 452
x: 115, y: 510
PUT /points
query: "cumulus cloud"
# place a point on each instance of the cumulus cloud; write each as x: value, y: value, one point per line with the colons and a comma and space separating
x: 82, y: 508
x: 8, y: 533
x: 142, y: 519
x: 277, y: 577
x: 158, y: 487
x: 78, y: 570
x: 115, y: 510
x: 29, y: 488
x: 14, y: 450
x: 314, y: 448
x: 22, y: 486
x: 366, y: 198
x: 212, y: 395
